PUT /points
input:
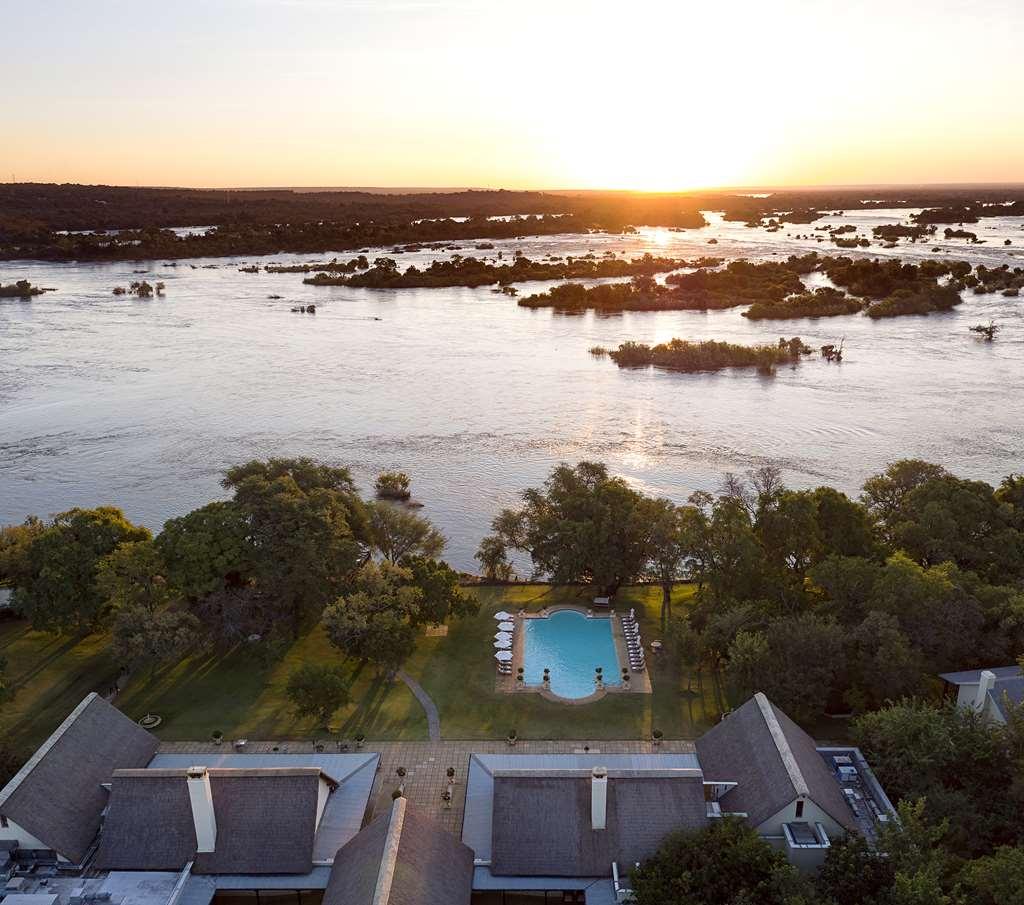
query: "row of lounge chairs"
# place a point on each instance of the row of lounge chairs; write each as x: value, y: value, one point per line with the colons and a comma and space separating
x: 634, y: 643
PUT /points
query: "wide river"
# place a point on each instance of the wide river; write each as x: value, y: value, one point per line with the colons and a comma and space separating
x: 143, y: 403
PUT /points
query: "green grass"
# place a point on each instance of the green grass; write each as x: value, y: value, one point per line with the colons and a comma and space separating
x: 240, y: 695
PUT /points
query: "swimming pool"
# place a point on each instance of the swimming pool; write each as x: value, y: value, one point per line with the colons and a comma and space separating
x: 572, y: 647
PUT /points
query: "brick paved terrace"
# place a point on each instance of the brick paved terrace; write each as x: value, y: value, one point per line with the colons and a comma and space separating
x: 426, y: 764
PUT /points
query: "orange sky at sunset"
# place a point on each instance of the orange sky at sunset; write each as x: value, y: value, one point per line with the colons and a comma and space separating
x: 645, y: 95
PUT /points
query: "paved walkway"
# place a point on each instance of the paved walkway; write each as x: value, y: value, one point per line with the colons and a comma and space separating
x: 433, y: 718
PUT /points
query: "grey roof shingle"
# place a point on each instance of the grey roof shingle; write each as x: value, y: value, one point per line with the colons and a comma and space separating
x: 1007, y: 691
x: 773, y: 765
x: 58, y: 795
x: 973, y: 676
x: 542, y: 823
x: 401, y: 858
x: 266, y: 821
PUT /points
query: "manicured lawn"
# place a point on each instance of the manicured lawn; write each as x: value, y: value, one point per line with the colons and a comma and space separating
x: 458, y: 673
x: 240, y: 695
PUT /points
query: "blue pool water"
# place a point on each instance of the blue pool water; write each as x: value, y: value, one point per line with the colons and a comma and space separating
x: 572, y: 647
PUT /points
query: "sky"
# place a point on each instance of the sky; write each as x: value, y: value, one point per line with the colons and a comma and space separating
x: 638, y: 94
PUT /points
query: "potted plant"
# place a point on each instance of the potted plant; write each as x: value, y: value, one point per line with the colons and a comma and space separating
x: 217, y: 736
x: 401, y: 772
x: 360, y: 738
x: 512, y: 738
x: 396, y: 794
x: 547, y: 677
x: 656, y: 736
x: 451, y: 773
x: 598, y: 678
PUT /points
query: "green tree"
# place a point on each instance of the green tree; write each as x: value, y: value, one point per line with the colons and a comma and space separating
x: 725, y: 864
x: 996, y: 879
x: 492, y: 555
x: 788, y: 532
x: 15, y: 541
x: 376, y: 620
x: 884, y: 493
x: 207, y: 550
x: 883, y: 665
x: 756, y: 662
x: 669, y: 551
x: 685, y: 645
x: 308, y: 529
x: 854, y: 873
x: 950, y: 758
x: 399, y: 533
x: 392, y: 485
x: 59, y: 591
x: 442, y: 599
x: 844, y: 526
x: 134, y: 575
x: 583, y: 526
x: 317, y: 690
x: 143, y: 638
x: 946, y: 519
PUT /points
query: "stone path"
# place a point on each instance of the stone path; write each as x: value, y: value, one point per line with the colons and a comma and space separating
x: 433, y: 718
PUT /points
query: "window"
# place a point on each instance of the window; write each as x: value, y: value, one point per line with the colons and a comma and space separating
x: 799, y: 810
x: 3, y: 821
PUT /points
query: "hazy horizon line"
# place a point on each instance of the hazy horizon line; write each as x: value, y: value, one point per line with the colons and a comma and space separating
x: 449, y: 189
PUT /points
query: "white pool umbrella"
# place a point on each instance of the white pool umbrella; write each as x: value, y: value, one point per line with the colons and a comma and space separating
x: 503, y: 616
x: 503, y: 656
x: 503, y: 636
x: 506, y: 626
x: 503, y: 645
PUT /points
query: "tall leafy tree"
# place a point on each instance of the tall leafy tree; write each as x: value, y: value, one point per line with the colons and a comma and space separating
x: 725, y: 864
x: 145, y: 630
x: 670, y: 546
x: 208, y: 549
x: 399, y: 533
x: 59, y: 591
x: 885, y: 493
x: 15, y: 541
x: 308, y: 530
x: 757, y: 662
x: 582, y: 526
x: 317, y: 690
x: 442, y: 599
x: 376, y: 621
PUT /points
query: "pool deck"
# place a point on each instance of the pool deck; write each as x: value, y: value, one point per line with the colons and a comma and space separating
x: 639, y: 682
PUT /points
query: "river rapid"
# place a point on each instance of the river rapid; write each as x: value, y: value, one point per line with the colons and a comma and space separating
x: 143, y: 403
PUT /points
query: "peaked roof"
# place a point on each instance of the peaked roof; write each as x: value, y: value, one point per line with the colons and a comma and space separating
x: 1007, y: 691
x: 772, y: 760
x: 58, y: 795
x: 401, y: 858
x: 266, y: 821
x: 542, y: 820
x: 973, y: 676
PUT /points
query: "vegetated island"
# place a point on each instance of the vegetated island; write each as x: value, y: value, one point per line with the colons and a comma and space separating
x: 471, y: 271
x: 775, y: 290
x: 707, y: 355
x: 22, y: 289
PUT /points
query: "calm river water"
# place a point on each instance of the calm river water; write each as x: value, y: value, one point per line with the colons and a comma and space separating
x: 142, y: 404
